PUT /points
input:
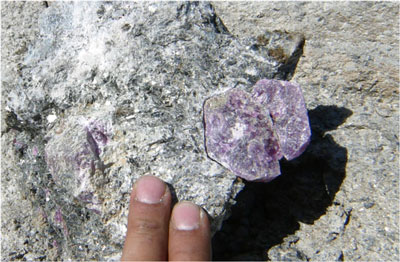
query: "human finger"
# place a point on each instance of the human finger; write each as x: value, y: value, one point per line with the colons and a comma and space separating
x: 189, y: 233
x: 148, y: 220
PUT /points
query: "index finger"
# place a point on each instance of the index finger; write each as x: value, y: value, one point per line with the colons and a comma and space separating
x: 189, y: 234
x: 148, y: 219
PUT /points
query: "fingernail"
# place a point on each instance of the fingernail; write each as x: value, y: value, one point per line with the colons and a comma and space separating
x: 186, y: 216
x: 150, y: 190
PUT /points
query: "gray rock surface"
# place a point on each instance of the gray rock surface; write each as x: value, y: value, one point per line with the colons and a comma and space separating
x: 339, y: 201
x: 342, y: 201
x: 107, y: 92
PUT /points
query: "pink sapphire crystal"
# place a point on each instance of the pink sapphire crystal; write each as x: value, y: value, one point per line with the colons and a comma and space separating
x: 249, y: 134
x: 285, y: 103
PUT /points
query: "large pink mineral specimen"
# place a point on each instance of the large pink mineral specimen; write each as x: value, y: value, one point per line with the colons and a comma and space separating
x: 250, y: 133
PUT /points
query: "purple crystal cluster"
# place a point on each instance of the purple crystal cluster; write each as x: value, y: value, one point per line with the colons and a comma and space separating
x: 250, y: 133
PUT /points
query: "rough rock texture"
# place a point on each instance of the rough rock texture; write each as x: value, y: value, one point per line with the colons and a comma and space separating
x: 103, y: 93
x: 340, y: 199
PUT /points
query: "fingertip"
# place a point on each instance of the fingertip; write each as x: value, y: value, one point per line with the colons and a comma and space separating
x: 148, y: 220
x: 149, y: 189
x: 186, y: 216
x: 189, y: 236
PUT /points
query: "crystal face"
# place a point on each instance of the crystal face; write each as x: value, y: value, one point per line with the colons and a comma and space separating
x: 250, y: 133
x: 285, y: 103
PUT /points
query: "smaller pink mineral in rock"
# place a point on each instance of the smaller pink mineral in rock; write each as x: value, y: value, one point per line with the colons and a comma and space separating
x: 59, y: 221
x: 35, y: 151
x: 58, y: 217
x: 249, y: 134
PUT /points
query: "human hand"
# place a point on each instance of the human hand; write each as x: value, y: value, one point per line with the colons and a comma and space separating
x: 156, y: 233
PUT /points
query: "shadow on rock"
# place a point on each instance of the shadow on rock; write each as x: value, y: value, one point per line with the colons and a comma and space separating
x: 267, y: 213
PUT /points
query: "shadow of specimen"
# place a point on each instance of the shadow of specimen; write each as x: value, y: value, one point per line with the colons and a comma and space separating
x: 266, y: 213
